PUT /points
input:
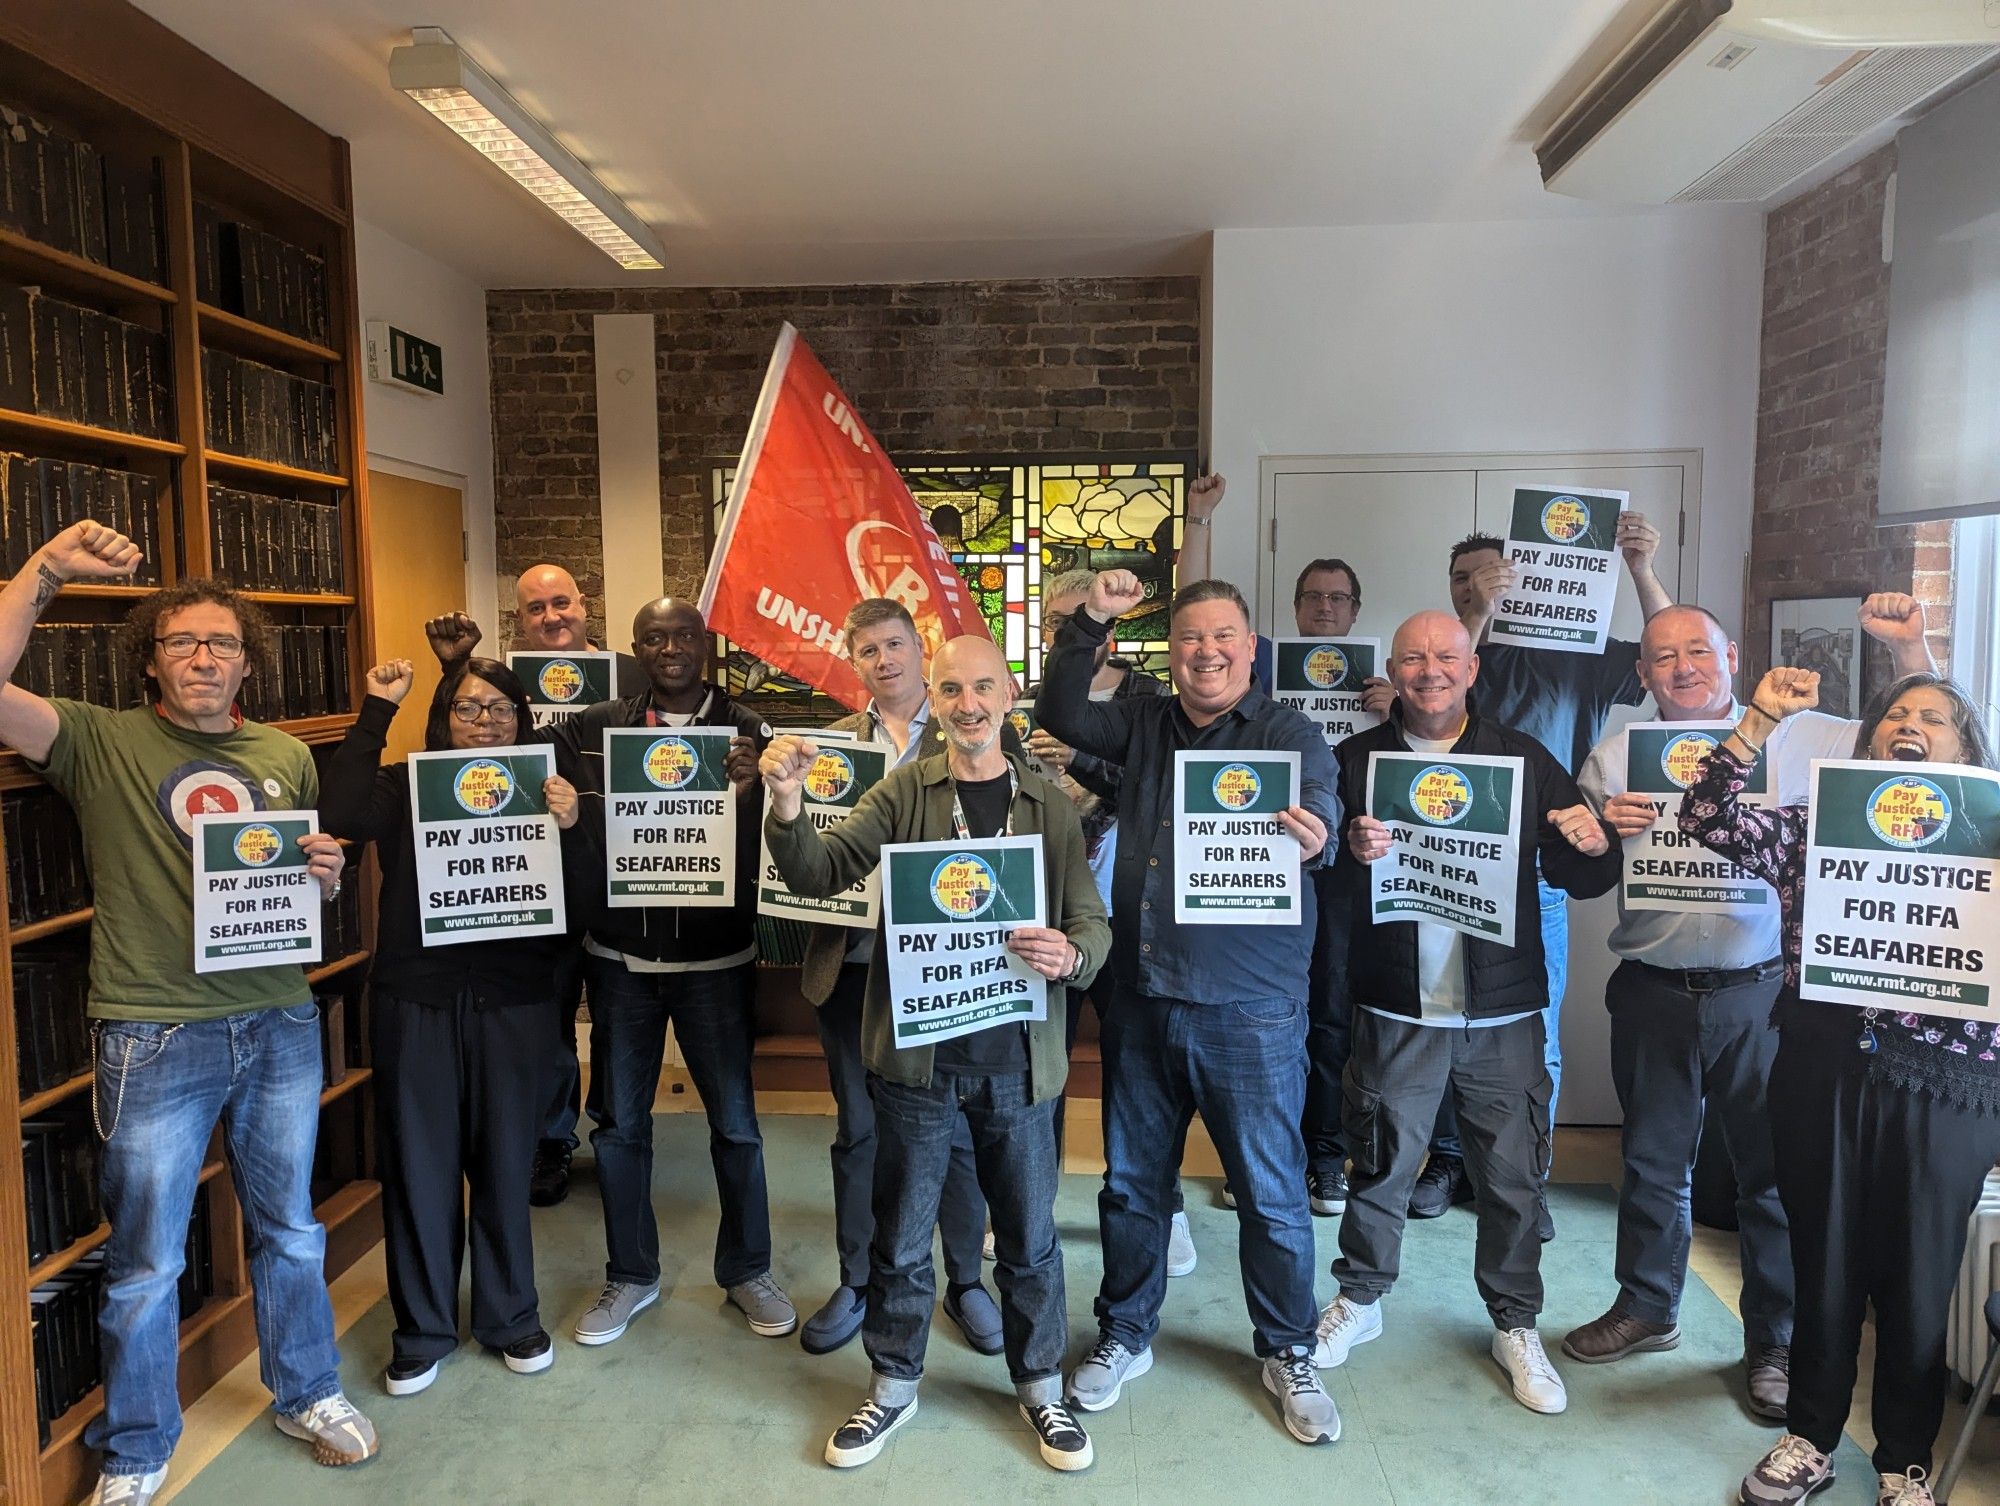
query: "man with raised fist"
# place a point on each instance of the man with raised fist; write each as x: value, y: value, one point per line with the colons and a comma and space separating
x: 177, y: 1051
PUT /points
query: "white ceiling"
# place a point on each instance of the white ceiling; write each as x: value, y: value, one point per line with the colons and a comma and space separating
x: 774, y: 141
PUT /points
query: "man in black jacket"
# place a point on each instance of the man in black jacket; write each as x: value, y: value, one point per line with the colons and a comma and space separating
x: 652, y: 965
x: 1438, y: 1010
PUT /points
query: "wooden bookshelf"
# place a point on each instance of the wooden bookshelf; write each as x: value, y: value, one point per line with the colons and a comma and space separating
x: 116, y: 77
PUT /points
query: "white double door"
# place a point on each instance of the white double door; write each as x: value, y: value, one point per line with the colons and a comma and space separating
x: 1395, y: 520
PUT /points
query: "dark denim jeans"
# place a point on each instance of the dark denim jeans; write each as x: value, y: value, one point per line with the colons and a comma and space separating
x: 565, y: 1097
x: 1014, y: 1144
x: 1243, y: 1066
x: 712, y: 1021
x: 160, y: 1091
x: 1330, y: 1027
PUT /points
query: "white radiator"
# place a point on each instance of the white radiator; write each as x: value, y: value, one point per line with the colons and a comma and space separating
x: 1967, y: 1341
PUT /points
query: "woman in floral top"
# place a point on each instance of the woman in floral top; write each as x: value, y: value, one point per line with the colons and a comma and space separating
x: 1884, y: 1124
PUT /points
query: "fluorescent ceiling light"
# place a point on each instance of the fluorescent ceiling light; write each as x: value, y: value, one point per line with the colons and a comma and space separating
x: 439, y: 76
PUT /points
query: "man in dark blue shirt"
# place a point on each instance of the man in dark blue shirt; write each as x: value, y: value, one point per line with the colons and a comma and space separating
x: 1210, y: 1018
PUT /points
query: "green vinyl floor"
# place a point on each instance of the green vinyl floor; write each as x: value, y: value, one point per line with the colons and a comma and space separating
x: 691, y: 1407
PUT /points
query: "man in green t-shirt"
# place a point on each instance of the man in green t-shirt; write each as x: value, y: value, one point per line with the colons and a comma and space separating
x: 179, y: 1051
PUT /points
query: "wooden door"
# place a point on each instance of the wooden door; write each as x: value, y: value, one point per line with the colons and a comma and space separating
x: 418, y: 552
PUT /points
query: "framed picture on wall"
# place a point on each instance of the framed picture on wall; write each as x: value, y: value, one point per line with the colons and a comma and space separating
x: 1820, y: 633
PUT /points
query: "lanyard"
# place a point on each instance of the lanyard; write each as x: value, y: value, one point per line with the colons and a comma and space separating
x: 963, y: 832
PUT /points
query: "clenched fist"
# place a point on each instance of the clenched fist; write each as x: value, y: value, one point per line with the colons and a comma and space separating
x: 1113, y: 594
x: 784, y: 765
x: 392, y: 681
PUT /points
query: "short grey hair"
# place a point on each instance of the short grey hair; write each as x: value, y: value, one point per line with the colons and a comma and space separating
x: 1069, y: 583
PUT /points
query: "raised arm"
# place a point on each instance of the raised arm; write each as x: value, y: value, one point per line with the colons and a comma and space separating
x: 1769, y: 843
x: 1639, y: 541
x: 818, y: 864
x: 1198, y: 536
x: 1063, y: 705
x: 83, y: 551
x: 1897, y: 623
x: 356, y: 801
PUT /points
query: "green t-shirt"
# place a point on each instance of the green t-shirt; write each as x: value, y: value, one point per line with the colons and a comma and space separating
x: 137, y: 781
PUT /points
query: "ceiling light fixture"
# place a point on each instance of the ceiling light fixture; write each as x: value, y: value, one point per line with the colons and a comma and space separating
x: 435, y: 72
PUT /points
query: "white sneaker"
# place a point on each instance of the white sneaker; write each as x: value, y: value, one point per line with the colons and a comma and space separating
x: 1343, y: 1325
x: 986, y: 1250
x: 1912, y: 1489
x: 1181, y: 1254
x: 1537, y: 1387
x: 128, y: 1490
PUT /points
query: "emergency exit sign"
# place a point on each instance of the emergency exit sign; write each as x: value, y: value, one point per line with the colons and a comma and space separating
x: 402, y: 359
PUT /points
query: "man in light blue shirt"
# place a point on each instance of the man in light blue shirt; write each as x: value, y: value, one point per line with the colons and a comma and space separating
x: 1690, y: 1011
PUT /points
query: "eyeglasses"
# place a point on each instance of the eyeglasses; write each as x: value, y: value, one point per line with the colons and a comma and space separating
x: 500, y: 713
x: 1328, y: 599
x: 183, y: 646
x: 1055, y: 622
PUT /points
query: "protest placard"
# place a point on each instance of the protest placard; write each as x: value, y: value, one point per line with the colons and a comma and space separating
x: 254, y: 902
x: 950, y: 906
x: 844, y: 771
x: 1454, y: 824
x: 1233, y: 863
x: 1663, y: 869
x: 1322, y: 678
x: 561, y: 685
x: 1565, y: 543
x: 489, y: 860
x: 669, y: 817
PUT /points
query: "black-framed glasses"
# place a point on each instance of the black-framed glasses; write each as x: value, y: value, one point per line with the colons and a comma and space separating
x: 183, y: 646
x: 1328, y: 599
x: 1055, y: 622
x: 499, y: 713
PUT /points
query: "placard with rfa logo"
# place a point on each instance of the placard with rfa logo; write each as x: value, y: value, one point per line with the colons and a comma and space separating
x: 1233, y: 864
x: 844, y: 771
x: 1901, y: 910
x: 1322, y: 677
x: 1454, y: 854
x: 950, y: 907
x: 1022, y: 719
x: 561, y: 685
x: 669, y: 817
x: 1663, y: 869
x: 1565, y: 544
x: 489, y: 858
x: 254, y: 902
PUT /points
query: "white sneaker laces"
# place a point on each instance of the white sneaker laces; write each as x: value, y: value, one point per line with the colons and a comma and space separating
x: 329, y: 1413
x: 1339, y: 1315
x: 1791, y: 1458
x: 868, y: 1416
x: 1530, y: 1356
x: 1053, y: 1417
x: 1913, y: 1491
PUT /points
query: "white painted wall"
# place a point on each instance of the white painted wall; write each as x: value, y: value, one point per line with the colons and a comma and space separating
x: 446, y: 439
x: 1625, y: 333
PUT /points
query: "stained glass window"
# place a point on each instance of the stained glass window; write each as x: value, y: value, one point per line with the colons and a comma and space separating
x: 1009, y: 525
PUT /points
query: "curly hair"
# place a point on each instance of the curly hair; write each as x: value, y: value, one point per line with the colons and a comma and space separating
x: 142, y: 626
x: 437, y: 726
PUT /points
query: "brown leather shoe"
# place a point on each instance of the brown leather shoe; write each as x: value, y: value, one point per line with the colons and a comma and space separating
x: 1616, y: 1335
x: 1770, y: 1368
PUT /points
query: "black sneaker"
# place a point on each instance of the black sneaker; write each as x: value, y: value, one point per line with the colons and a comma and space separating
x: 548, y: 1182
x: 526, y: 1356
x: 861, y: 1437
x: 1065, y: 1445
x: 1442, y: 1184
x: 408, y: 1377
x: 1326, y: 1190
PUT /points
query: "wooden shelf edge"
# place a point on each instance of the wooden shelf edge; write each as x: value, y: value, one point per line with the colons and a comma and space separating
x: 48, y: 1098
x: 104, y: 593
x: 74, y: 270
x: 355, y: 1077
x: 222, y: 461
x: 345, y: 1203
x: 52, y: 925
x: 59, y: 428
x: 298, y: 599
x: 339, y: 964
x: 54, y: 1265
x: 68, y: 1428
x: 276, y: 341
x: 318, y: 729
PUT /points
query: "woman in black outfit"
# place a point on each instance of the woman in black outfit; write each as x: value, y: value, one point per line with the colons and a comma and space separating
x: 461, y: 1038
x: 1884, y: 1122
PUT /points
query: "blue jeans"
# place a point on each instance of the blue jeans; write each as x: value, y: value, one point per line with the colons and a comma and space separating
x: 1014, y: 1145
x: 160, y: 1091
x: 712, y: 1021
x: 1555, y: 957
x: 1243, y: 1066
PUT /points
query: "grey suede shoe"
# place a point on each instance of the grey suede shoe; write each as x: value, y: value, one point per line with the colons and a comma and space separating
x: 615, y: 1307
x: 765, y: 1306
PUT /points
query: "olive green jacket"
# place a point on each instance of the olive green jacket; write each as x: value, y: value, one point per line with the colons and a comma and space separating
x: 914, y: 804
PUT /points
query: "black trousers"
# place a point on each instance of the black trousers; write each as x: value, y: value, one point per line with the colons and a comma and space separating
x: 1330, y: 1025
x: 1878, y: 1183
x: 564, y: 1096
x: 457, y: 1091
x: 961, y: 1218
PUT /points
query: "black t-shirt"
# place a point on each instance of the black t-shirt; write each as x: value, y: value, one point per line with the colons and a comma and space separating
x: 1003, y: 1047
x: 1560, y: 700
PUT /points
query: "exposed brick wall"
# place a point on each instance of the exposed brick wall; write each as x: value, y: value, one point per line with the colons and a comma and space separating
x: 1819, y: 420
x: 1055, y: 366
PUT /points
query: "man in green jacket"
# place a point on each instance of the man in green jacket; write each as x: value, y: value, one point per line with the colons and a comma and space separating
x: 1004, y: 1080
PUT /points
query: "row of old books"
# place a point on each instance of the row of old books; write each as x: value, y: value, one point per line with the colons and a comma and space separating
x: 60, y: 190
x: 251, y: 272
x: 262, y: 413
x: 45, y: 872
x: 40, y: 497
x: 51, y: 1033
x: 308, y: 676
x: 61, y: 360
x: 265, y: 543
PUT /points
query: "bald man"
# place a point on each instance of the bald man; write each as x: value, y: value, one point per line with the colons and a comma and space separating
x: 1004, y: 1081
x: 1438, y: 1011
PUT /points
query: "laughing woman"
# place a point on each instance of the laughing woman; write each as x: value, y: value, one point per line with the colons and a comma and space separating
x: 1884, y: 1123
x: 462, y: 1043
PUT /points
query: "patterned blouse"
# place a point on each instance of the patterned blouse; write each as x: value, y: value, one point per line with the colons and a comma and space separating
x: 1956, y: 1061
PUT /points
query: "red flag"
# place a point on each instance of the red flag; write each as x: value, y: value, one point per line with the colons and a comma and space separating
x: 818, y: 520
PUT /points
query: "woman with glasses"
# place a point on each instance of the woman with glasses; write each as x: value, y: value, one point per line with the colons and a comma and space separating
x: 461, y: 1040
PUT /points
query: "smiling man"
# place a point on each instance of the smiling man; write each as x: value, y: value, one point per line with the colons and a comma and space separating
x: 1199, y: 1018
x: 652, y: 965
x: 1690, y: 1006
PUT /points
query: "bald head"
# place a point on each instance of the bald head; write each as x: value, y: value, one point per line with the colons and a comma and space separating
x: 972, y: 690
x: 1688, y: 664
x: 550, y: 610
x: 670, y: 641
x: 1432, y: 666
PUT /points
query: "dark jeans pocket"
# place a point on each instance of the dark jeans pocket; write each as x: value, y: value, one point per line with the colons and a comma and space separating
x: 1539, y: 1096
x: 1268, y: 1012
x: 1361, y: 1123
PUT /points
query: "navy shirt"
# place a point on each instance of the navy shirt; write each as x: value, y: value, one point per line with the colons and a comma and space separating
x: 1560, y: 700
x: 1150, y: 952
